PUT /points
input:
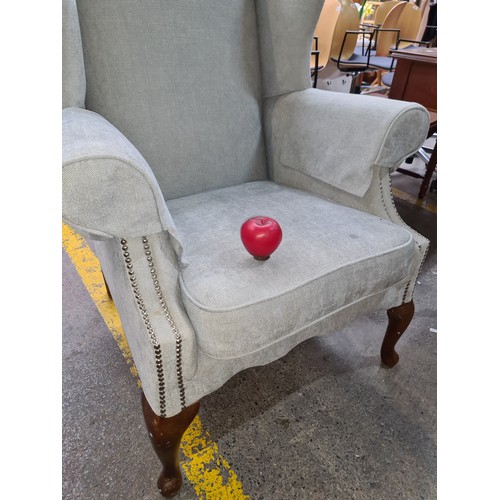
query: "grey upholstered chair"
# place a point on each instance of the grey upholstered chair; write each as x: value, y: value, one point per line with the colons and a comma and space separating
x: 183, y: 118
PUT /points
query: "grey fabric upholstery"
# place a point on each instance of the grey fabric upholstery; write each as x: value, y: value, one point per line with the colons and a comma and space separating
x: 330, y: 256
x: 126, y: 199
x: 202, y: 373
x: 164, y: 72
x: 73, y: 70
x: 198, y: 115
x: 286, y: 29
x: 368, y: 132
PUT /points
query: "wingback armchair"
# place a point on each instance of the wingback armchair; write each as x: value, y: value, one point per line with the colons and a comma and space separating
x: 182, y: 119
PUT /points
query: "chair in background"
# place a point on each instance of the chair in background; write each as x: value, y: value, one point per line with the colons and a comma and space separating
x: 342, y: 46
x: 314, y: 62
x: 160, y: 172
x: 382, y: 11
x: 323, y: 35
x: 386, y: 36
x: 401, y: 16
x: 409, y: 24
x: 345, y: 42
x: 428, y: 26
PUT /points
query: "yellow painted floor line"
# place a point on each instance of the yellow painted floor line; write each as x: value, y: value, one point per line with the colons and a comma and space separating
x: 88, y: 268
x: 206, y: 469
x: 426, y: 205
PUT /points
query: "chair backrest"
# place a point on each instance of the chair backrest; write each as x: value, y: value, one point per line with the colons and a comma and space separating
x: 385, y: 41
x: 348, y: 19
x: 325, y: 28
x: 184, y: 80
x: 382, y: 10
x: 425, y: 8
x: 409, y: 23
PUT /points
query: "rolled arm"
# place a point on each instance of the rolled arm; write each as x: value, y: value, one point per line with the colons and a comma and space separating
x: 339, y: 138
x: 109, y: 190
x: 343, y: 147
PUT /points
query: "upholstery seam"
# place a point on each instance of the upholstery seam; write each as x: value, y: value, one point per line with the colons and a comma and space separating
x: 219, y: 310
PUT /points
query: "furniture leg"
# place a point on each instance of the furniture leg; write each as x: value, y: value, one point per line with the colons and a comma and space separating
x: 429, y: 170
x: 399, y: 319
x: 357, y: 80
x: 166, y: 435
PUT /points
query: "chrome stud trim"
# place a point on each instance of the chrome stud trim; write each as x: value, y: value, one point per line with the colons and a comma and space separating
x: 145, y: 317
x: 404, y: 224
x: 173, y: 327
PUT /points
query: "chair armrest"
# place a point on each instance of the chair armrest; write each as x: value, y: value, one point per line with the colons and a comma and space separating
x: 108, y: 188
x: 417, y: 42
x: 338, y: 138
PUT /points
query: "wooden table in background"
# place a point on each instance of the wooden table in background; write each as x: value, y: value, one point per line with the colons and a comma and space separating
x: 415, y: 80
x: 415, y: 76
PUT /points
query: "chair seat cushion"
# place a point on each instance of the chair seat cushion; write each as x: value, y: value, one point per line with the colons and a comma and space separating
x: 330, y: 256
x: 356, y: 60
x: 382, y: 62
x: 387, y: 78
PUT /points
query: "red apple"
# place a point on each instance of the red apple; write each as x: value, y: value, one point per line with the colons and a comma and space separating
x: 261, y: 236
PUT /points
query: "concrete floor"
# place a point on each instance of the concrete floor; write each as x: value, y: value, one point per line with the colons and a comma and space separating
x: 325, y: 422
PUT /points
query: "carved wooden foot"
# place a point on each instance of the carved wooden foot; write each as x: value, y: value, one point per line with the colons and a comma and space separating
x: 166, y: 435
x: 399, y: 319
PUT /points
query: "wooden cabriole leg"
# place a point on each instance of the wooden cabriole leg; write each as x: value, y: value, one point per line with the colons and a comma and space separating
x: 399, y: 319
x: 166, y: 435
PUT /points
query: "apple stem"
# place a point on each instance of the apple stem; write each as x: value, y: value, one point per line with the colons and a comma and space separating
x: 261, y: 258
